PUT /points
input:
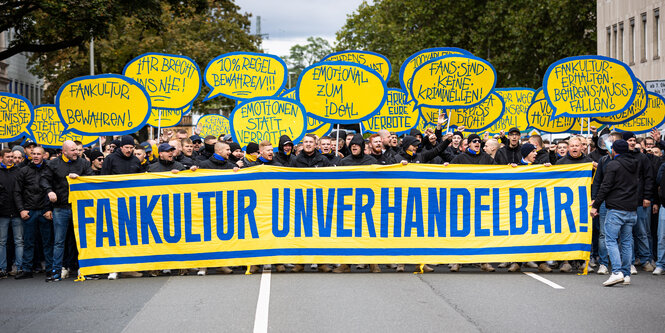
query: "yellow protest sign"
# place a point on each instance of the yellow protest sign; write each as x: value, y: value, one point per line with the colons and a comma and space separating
x: 639, y: 105
x: 268, y: 118
x: 453, y: 81
x: 169, y: 117
x: 341, y: 92
x: 245, y: 75
x: 589, y: 86
x: 172, y: 81
x: 47, y: 129
x: 322, y: 130
x: 430, y: 115
x: 540, y: 94
x: 540, y: 117
x: 415, y: 60
x: 653, y: 117
x: 362, y: 214
x: 290, y: 94
x: 479, y: 117
x: 213, y: 124
x: 107, y: 104
x: 516, y: 101
x: 373, y: 60
x: 395, y: 116
x: 16, y: 116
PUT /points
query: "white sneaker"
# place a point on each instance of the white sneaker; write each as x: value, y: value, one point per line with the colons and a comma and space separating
x: 633, y: 270
x: 64, y: 273
x: 531, y: 264
x: 201, y: 272
x: 658, y: 271
x: 602, y: 270
x: 614, y: 279
x: 626, y: 280
x: 113, y: 276
x: 166, y: 271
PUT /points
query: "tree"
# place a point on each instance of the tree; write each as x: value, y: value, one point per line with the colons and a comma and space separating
x: 51, y: 25
x: 220, y: 28
x: 302, y: 56
x: 521, y: 38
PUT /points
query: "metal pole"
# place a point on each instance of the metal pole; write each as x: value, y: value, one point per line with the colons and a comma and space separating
x: 337, y: 145
x: 92, y: 72
x: 588, y: 135
x: 448, y: 125
x: 159, y: 124
x: 581, y: 125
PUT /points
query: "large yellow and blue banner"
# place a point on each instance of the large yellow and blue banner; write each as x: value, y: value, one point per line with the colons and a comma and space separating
x: 370, y: 214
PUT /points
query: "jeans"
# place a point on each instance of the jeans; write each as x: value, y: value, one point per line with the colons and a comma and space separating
x: 602, y: 248
x: 62, y: 245
x: 641, y: 233
x: 660, y: 259
x: 17, y: 229
x: 619, y: 227
x: 34, y: 222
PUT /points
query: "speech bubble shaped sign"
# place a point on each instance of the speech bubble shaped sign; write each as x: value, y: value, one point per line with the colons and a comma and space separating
x: 268, y: 118
x: 341, y: 92
x: 16, y: 117
x: 540, y: 118
x: 245, y: 75
x: 589, y: 86
x: 415, y: 60
x: 479, y: 117
x: 47, y: 129
x: 395, y: 116
x: 323, y: 130
x: 653, y: 117
x: 290, y: 94
x: 172, y: 81
x: 453, y: 81
x: 169, y: 117
x: 373, y: 60
x: 430, y: 116
x: 517, y: 102
x: 213, y: 124
x: 107, y: 104
x: 540, y: 94
x: 637, y: 108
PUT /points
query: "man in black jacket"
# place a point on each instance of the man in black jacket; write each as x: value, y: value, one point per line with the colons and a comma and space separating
x: 54, y: 182
x: 357, y: 156
x: 619, y: 192
x: 122, y: 160
x: 166, y: 160
x: 285, y: 151
x: 220, y: 159
x: 309, y: 157
x: 35, y: 211
x: 9, y: 214
x: 179, y: 154
x: 325, y: 143
x: 575, y: 153
x: 266, y: 155
x: 410, y: 153
x: 208, y: 148
x: 510, y: 152
x: 473, y: 154
x: 382, y: 156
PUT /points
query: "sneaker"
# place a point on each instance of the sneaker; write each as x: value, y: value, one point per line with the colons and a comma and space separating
x: 64, y: 273
x: 514, y: 267
x: 399, y: 268
x: 49, y: 276
x: 614, y: 279
x: 166, y: 272
x: 23, y: 275
x: 3, y: 275
x: 503, y: 265
x: 633, y: 270
x: 566, y: 268
x: 531, y: 264
x: 602, y: 270
x: 593, y: 262
x: 55, y: 276
x: 658, y: 271
x: 544, y: 268
x: 626, y: 280
x: 92, y: 277
x: 648, y: 267
x: 113, y: 276
x: 455, y: 268
x: 361, y: 266
x: 201, y: 272
x: 14, y: 271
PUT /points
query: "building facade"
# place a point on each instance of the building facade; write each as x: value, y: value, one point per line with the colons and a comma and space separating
x: 15, y: 76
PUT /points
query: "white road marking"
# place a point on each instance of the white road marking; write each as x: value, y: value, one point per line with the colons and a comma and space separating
x: 263, y: 304
x: 544, y: 280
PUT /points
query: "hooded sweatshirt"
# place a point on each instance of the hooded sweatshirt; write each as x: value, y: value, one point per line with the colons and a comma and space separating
x: 360, y: 159
x: 471, y: 157
x: 573, y: 160
x: 315, y: 160
x: 619, y: 189
x: 281, y: 157
x: 118, y: 164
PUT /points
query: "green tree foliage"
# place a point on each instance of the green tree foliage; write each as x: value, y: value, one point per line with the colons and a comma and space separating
x: 521, y: 38
x: 200, y: 35
x: 302, y: 56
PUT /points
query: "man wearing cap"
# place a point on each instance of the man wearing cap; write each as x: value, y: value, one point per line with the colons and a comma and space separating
x: 510, y: 153
x: 96, y: 162
x: 251, y: 154
x: 646, y: 183
x: 28, y: 146
x: 619, y: 192
x: 197, y: 142
x: 473, y: 154
x: 122, y: 160
x: 54, y: 182
x: 166, y: 160
x: 220, y: 159
x: 35, y: 211
x: 455, y: 147
x: 285, y: 151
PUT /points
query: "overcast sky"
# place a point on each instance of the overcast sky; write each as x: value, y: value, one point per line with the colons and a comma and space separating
x: 290, y: 22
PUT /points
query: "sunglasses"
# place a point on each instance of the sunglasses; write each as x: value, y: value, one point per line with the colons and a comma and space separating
x: 475, y: 141
x: 100, y: 159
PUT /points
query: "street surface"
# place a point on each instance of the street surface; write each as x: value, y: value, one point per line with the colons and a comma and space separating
x: 468, y: 301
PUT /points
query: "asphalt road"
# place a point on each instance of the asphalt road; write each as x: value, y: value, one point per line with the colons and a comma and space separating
x: 468, y: 301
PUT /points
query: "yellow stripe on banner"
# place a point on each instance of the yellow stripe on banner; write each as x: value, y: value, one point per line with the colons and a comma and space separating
x: 372, y: 214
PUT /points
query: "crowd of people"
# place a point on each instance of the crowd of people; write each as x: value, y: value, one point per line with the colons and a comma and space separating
x: 628, y: 233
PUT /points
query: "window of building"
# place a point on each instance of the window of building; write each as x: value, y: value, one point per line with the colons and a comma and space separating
x: 631, y: 49
x: 620, y: 57
x: 656, y: 33
x: 643, y: 39
x: 614, y: 41
x: 608, y: 46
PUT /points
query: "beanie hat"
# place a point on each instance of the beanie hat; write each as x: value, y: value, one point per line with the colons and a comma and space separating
x: 252, y: 147
x: 526, y: 149
x: 126, y: 140
x: 620, y: 146
x: 627, y: 135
